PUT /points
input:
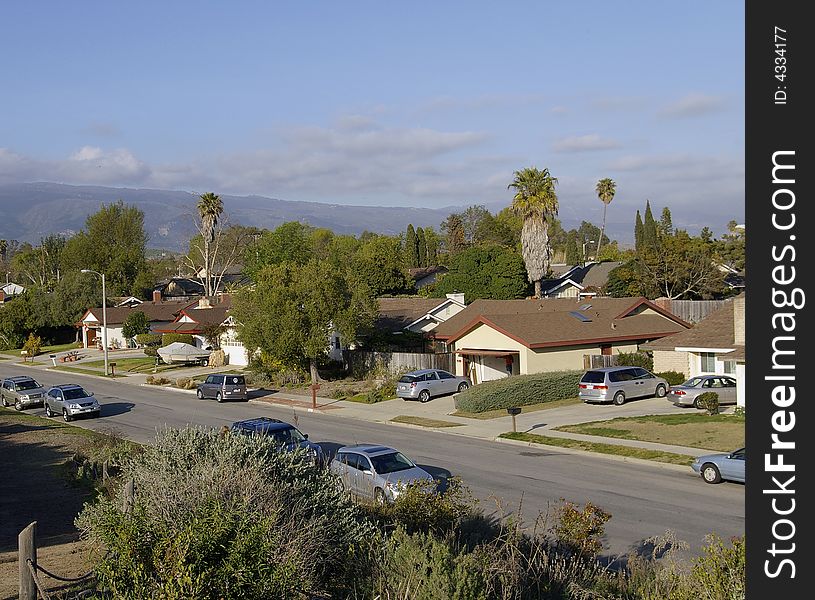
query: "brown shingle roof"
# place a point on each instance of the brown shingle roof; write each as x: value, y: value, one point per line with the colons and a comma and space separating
x: 550, y: 322
x: 714, y: 331
x: 155, y: 311
x: 397, y: 313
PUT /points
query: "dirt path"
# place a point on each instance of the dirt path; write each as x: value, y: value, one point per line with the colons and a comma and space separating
x: 33, y: 487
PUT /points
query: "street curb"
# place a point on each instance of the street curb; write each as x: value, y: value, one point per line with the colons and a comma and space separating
x: 165, y: 387
x: 425, y: 428
x: 587, y: 453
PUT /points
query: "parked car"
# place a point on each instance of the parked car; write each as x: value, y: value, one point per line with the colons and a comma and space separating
x: 374, y: 472
x: 715, y: 468
x: 21, y: 392
x: 223, y: 387
x: 285, y: 434
x: 688, y: 393
x: 618, y: 384
x: 71, y: 401
x: 427, y: 383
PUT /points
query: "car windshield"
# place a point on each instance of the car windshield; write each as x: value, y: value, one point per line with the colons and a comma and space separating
x: 287, y: 436
x: 390, y: 463
x: 408, y: 379
x: 694, y: 382
x: 27, y: 385
x: 74, y: 393
x: 593, y: 377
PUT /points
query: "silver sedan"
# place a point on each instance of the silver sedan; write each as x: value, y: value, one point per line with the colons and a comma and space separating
x: 427, y: 383
x: 718, y: 467
x: 688, y: 393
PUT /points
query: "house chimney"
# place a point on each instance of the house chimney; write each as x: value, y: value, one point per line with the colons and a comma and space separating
x: 156, y: 295
x: 456, y: 297
x: 2, y: 296
x: 664, y: 303
x: 204, y: 302
x: 738, y: 319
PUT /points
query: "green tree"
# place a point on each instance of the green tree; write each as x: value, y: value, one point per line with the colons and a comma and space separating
x: 485, y: 272
x: 432, y: 240
x: 535, y: 201
x: 665, y: 226
x: 472, y: 219
x: 135, y: 324
x: 638, y: 232
x: 650, y: 237
x: 378, y: 265
x: 292, y: 309
x: 411, y: 247
x: 290, y: 242
x: 622, y: 281
x: 41, y: 265
x: 210, y: 208
x: 455, y: 239
x: 605, y: 191
x: 421, y: 244
x: 113, y: 242
x: 572, y: 251
x: 730, y: 249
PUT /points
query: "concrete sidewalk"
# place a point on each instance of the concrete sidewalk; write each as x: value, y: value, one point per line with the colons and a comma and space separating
x: 541, y: 422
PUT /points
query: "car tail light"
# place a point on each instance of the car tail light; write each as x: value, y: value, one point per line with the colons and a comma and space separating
x: 678, y: 392
x: 600, y: 387
x: 583, y: 386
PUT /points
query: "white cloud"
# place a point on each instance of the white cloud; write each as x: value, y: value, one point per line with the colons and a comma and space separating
x: 692, y: 105
x: 584, y: 143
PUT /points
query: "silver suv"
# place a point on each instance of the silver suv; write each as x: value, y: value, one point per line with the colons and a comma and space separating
x: 22, y: 392
x: 374, y: 472
x: 618, y: 384
x: 427, y: 383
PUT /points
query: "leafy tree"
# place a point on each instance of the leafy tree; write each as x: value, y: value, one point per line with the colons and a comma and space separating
x: 212, y: 333
x: 135, y: 324
x: 289, y: 242
x: 492, y: 230
x: 605, y: 191
x: 377, y: 265
x: 471, y: 220
x: 572, y: 251
x: 455, y: 239
x: 730, y: 248
x: 622, y: 281
x: 485, y: 272
x: 507, y: 221
x: 411, y: 247
x: 432, y: 240
x: 535, y: 201
x: 112, y: 243
x: 421, y: 244
x: 41, y: 265
x: 293, y: 308
x: 638, y: 232
x: 706, y: 235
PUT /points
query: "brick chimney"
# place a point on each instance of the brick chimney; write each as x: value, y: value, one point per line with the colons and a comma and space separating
x: 2, y: 296
x: 664, y: 303
x: 738, y: 319
x: 156, y: 295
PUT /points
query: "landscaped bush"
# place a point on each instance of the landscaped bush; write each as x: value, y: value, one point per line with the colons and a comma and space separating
x: 157, y: 380
x: 169, y: 338
x: 672, y: 377
x: 636, y: 359
x: 708, y: 401
x: 185, y: 383
x: 519, y: 390
x: 32, y: 345
x: 150, y: 342
x: 227, y: 516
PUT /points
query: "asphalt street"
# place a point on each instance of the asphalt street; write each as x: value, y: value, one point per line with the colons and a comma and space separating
x: 643, y: 499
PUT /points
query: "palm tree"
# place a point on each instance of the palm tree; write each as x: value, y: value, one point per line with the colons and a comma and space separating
x: 605, y: 191
x: 210, y: 207
x: 535, y: 202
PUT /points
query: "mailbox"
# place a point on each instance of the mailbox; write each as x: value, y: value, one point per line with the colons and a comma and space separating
x: 514, y: 410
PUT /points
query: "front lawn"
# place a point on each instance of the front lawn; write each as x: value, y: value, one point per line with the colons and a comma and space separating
x: 137, y: 364
x: 45, y: 349
x: 694, y: 430
x: 502, y: 412
x: 424, y: 422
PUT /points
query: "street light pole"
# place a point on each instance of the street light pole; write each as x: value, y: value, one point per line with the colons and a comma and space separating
x: 104, y: 317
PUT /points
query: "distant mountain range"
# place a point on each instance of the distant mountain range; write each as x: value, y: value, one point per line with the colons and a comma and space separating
x: 30, y: 211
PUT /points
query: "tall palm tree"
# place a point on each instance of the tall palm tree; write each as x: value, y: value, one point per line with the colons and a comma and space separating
x: 605, y: 191
x: 210, y: 207
x: 535, y: 201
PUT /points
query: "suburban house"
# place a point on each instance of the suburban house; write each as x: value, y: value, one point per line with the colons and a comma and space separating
x: 416, y: 314
x: 586, y: 281
x: 715, y: 345
x: 496, y: 338
x: 10, y: 290
x: 182, y: 288
x: 158, y: 313
x: 423, y: 276
x: 208, y: 312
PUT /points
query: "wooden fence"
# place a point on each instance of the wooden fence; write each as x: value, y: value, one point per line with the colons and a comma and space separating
x: 597, y: 361
x: 693, y: 311
x: 396, y: 362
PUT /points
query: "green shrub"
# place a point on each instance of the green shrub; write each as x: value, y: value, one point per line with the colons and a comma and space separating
x: 226, y: 516
x: 636, y: 359
x: 150, y: 342
x: 672, y: 377
x: 519, y: 390
x: 708, y: 401
x: 33, y: 345
x: 740, y: 411
x: 580, y: 530
x: 169, y: 338
x: 135, y: 324
x: 720, y: 571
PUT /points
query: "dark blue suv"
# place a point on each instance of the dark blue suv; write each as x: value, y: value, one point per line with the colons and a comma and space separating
x: 286, y: 435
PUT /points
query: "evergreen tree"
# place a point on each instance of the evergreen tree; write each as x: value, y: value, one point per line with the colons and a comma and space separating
x: 649, y: 227
x: 432, y: 241
x: 421, y: 244
x: 572, y: 251
x: 455, y: 240
x: 666, y: 226
x: 638, y: 233
x: 411, y: 247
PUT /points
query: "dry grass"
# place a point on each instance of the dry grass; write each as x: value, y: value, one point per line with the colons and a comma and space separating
x: 424, y: 422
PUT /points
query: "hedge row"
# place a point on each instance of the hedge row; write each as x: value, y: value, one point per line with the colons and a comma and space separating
x: 519, y: 390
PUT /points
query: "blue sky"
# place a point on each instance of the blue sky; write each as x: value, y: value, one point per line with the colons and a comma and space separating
x: 425, y: 104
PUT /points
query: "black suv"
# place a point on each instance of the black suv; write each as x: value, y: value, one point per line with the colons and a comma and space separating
x: 285, y: 434
x: 21, y: 392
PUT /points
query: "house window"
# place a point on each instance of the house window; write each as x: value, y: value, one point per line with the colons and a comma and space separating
x: 708, y: 362
x: 729, y: 366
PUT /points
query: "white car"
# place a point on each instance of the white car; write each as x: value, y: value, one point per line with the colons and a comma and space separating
x: 71, y: 401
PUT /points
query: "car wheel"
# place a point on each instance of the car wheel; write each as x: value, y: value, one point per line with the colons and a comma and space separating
x: 65, y: 416
x: 710, y: 473
x: 18, y: 405
x: 48, y: 412
x: 205, y: 363
x: 219, y: 397
x: 424, y: 396
x: 619, y: 399
x: 661, y: 391
x: 696, y: 403
x: 200, y: 394
x: 379, y: 496
x: 5, y: 402
x: 463, y: 386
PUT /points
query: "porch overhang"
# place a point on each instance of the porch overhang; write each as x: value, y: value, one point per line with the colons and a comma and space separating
x: 495, y: 353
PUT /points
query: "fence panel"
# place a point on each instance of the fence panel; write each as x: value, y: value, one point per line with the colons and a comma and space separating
x: 395, y: 362
x: 597, y: 361
x: 694, y: 311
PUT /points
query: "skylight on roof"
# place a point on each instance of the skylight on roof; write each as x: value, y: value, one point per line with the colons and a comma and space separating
x: 580, y: 316
x: 585, y: 307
